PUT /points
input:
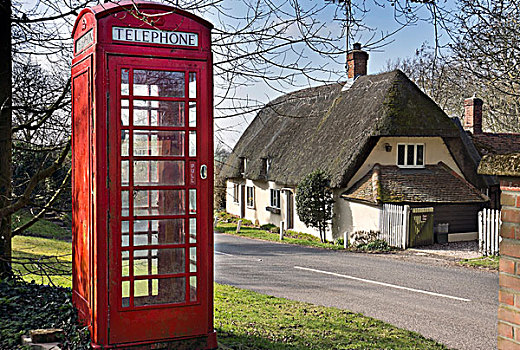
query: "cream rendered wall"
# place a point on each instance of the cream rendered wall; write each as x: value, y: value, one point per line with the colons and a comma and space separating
x: 353, y: 217
x: 231, y: 206
x: 434, y: 147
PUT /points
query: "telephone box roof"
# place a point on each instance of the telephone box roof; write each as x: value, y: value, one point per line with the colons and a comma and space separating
x: 103, y: 10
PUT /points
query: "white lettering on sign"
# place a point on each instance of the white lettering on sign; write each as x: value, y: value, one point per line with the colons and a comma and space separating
x: 154, y: 36
x: 84, y: 41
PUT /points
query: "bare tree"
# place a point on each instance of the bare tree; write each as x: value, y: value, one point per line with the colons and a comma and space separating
x: 486, y: 43
x: 284, y: 44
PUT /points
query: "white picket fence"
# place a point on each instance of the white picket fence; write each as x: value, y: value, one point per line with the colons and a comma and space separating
x: 489, y: 231
x: 394, y: 225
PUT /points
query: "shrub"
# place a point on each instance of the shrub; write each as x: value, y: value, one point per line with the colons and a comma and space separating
x: 25, y: 306
x: 275, y: 230
x: 267, y: 227
x: 378, y: 245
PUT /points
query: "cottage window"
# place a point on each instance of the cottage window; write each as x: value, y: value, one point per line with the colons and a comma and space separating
x: 236, y: 193
x: 410, y: 155
x: 275, y: 198
x: 250, y: 196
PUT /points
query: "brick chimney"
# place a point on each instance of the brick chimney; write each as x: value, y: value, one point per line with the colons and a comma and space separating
x: 473, y: 115
x: 357, y: 62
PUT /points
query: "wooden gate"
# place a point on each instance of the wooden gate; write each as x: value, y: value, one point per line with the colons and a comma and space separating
x: 421, y: 227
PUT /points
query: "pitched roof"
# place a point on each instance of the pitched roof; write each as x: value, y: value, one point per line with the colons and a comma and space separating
x: 496, y: 143
x: 330, y: 129
x: 433, y: 184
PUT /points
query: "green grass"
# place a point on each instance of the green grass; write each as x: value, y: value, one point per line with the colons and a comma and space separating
x: 490, y: 262
x: 247, y: 320
x: 255, y: 232
x: 42, y: 228
x: 56, y: 254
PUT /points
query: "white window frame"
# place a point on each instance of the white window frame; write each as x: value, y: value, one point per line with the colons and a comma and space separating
x: 236, y: 193
x: 414, y: 165
x: 275, y: 198
x: 250, y: 197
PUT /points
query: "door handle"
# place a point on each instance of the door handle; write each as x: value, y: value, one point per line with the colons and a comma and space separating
x: 203, y: 171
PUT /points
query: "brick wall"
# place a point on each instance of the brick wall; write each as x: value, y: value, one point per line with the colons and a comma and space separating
x: 509, y: 275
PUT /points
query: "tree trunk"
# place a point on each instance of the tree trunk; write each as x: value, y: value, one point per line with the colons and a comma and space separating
x: 5, y: 133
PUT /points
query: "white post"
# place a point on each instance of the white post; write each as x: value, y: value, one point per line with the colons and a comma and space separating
x: 488, y: 231
x: 282, y: 228
x: 345, y: 237
x: 238, y: 225
x: 406, y: 220
x: 480, y: 232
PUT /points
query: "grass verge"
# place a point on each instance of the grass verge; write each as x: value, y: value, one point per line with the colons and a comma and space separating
x: 489, y: 262
x: 248, y: 320
x: 258, y: 233
x: 243, y: 319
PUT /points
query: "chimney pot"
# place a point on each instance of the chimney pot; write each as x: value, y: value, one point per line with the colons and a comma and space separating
x: 357, y: 62
x: 473, y: 115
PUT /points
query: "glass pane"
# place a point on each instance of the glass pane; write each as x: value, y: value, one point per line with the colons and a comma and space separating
x: 125, y: 231
x: 151, y: 232
x: 193, y: 259
x: 125, y: 81
x: 420, y: 155
x: 158, y: 83
x: 192, y: 114
x: 410, y: 154
x: 193, y: 230
x: 193, y: 144
x: 158, y: 113
x: 125, y: 293
x: 125, y: 113
x: 158, y: 143
x: 159, y: 202
x: 158, y: 261
x: 125, y: 172
x: 400, y: 154
x: 160, y: 291
x: 125, y: 203
x: 125, y: 264
x: 145, y: 288
x: 192, y: 86
x: 125, y: 145
x: 193, y: 201
x: 145, y: 262
x: 158, y: 172
x: 193, y: 288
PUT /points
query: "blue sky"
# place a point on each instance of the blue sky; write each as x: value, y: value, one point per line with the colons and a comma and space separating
x: 401, y: 45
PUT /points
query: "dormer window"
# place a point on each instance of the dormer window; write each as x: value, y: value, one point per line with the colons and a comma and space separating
x: 265, y: 166
x: 243, y: 165
x: 410, y: 155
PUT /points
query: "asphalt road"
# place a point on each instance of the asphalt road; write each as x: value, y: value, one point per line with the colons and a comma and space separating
x: 453, y: 305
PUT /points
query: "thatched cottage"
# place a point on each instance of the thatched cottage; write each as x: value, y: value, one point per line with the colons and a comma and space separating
x: 380, y: 139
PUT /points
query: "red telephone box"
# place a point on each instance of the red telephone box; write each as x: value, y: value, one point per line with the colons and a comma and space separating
x: 143, y: 176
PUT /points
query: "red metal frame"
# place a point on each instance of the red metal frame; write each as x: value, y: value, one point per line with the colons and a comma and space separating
x: 97, y: 227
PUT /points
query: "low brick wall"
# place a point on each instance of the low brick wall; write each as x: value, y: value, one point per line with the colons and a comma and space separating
x: 507, y: 167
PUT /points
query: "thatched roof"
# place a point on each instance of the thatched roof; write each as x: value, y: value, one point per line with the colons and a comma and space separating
x: 500, y: 164
x: 333, y: 130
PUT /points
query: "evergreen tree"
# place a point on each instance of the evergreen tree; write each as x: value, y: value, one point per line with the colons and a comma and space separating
x: 314, y: 201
